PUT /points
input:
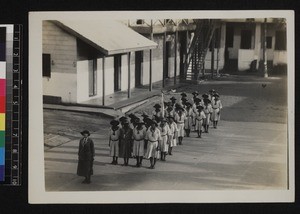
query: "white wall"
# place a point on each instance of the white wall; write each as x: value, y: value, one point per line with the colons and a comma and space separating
x: 245, y: 58
x: 83, y: 80
x: 109, y: 75
x: 221, y: 59
x: 280, y: 57
x: 62, y: 85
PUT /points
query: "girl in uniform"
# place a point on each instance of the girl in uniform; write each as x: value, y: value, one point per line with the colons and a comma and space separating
x: 139, y: 133
x: 200, y: 116
x: 195, y: 94
x: 195, y: 110
x: 114, y: 138
x: 86, y: 154
x: 173, y: 102
x: 125, y: 142
x: 172, y: 134
x: 217, y: 106
x: 207, y: 109
x: 179, y: 118
x: 157, y: 112
x: 165, y: 132
x: 169, y: 111
x: 188, y: 122
x: 153, y: 138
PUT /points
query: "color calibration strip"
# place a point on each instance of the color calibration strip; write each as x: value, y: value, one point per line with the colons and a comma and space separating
x: 10, y: 111
x: 2, y: 100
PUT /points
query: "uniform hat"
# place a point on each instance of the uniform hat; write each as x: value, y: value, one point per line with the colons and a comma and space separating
x: 212, y: 90
x: 195, y: 93
x: 147, y: 120
x: 114, y: 123
x: 126, y: 121
x: 183, y: 99
x: 162, y: 119
x: 157, y: 106
x: 205, y: 100
x: 173, y: 98
x: 197, y: 100
x: 200, y: 107
x: 216, y: 95
x: 131, y: 115
x: 171, y: 117
x: 183, y: 94
x: 144, y: 115
x: 85, y: 132
x: 205, y: 95
x: 179, y: 107
x: 122, y: 119
x: 188, y: 104
x: 138, y: 121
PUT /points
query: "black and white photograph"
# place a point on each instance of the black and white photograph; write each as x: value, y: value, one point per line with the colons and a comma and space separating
x: 161, y: 107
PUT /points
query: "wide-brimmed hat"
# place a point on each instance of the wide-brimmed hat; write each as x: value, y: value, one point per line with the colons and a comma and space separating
x: 179, y: 107
x: 211, y: 90
x: 85, y: 132
x: 139, y: 121
x: 197, y: 100
x: 114, y: 122
x: 216, y: 95
x: 188, y: 104
x: 147, y: 120
x: 205, y: 95
x: 195, y: 93
x: 183, y: 94
x: 200, y: 107
x: 171, y: 117
x: 144, y: 115
x: 183, y: 99
x: 205, y: 100
x: 162, y: 119
x: 173, y: 98
x: 157, y: 106
x: 122, y: 119
x: 153, y: 122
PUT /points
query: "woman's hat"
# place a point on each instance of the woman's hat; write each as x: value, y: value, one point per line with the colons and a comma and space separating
x: 212, y: 90
x: 183, y: 94
x: 153, y: 122
x: 126, y: 121
x: 216, y: 95
x: 188, y: 104
x: 195, y: 93
x: 122, y: 119
x: 197, y: 100
x: 139, y: 121
x: 85, y: 132
x: 205, y: 100
x: 162, y: 119
x: 173, y: 98
x: 171, y: 117
x: 147, y: 120
x: 144, y: 115
x: 200, y: 107
x: 183, y: 99
x: 205, y: 95
x: 114, y: 122
x: 157, y: 106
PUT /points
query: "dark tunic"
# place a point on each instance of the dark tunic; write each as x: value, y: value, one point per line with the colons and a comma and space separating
x: 86, y: 153
x: 125, y: 143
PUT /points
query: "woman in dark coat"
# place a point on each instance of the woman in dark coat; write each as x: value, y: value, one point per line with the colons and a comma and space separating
x: 125, y: 147
x: 86, y: 153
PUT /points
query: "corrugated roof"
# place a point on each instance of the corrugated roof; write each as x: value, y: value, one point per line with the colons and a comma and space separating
x: 108, y: 36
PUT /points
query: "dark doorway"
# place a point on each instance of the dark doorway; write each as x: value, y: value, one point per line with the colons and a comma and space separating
x: 168, y: 54
x: 183, y: 52
x: 117, y: 73
x: 138, y: 68
x: 246, y: 36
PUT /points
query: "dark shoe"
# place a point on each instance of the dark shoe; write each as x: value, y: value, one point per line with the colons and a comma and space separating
x: 84, y: 181
x: 113, y: 162
x: 88, y: 182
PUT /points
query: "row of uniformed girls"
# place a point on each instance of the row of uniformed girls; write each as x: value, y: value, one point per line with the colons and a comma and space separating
x: 147, y: 138
x: 155, y: 137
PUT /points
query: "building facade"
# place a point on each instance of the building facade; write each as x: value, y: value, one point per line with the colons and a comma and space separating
x: 81, y: 64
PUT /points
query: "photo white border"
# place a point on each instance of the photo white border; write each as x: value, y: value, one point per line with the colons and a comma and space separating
x: 36, y: 181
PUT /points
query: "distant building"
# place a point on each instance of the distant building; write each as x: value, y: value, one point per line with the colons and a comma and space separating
x: 77, y: 55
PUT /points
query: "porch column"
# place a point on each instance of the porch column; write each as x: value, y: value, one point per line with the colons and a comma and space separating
x: 129, y: 75
x: 212, y: 45
x: 150, y: 60
x: 175, y: 57
x: 164, y: 59
x: 257, y: 46
x: 103, y: 81
x: 265, y: 50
